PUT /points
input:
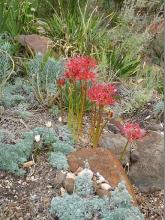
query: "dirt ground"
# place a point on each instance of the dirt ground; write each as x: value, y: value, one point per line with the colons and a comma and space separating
x: 29, y: 197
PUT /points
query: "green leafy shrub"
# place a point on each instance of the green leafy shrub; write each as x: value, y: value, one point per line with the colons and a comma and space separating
x: 116, y: 63
x: 130, y: 38
x: 116, y: 207
x: 43, y: 75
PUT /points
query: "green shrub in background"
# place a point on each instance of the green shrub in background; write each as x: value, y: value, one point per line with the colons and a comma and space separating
x: 16, y: 16
x: 76, y: 29
x: 43, y: 74
x: 6, y: 63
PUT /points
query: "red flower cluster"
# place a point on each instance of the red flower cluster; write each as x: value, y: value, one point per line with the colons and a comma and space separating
x: 133, y: 131
x: 61, y: 82
x: 102, y: 94
x: 80, y: 68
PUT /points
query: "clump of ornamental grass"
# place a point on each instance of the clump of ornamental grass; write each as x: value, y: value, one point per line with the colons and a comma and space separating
x: 132, y: 132
x: 101, y: 95
x: 79, y: 74
x: 6, y: 64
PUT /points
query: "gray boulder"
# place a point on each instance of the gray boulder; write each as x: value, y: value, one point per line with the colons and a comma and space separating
x: 147, y: 173
x: 116, y: 143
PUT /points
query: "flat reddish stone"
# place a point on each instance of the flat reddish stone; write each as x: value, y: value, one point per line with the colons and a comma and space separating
x: 103, y: 161
x: 36, y: 43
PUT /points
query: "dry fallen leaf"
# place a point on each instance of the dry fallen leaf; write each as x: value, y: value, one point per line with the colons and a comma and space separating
x: 28, y: 164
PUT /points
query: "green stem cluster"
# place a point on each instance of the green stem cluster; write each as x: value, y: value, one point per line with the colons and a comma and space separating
x: 122, y: 155
x: 97, y: 124
x: 77, y: 106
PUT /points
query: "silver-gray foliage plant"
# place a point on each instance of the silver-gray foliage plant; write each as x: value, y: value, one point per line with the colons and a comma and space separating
x: 13, y: 155
x: 84, y: 206
x: 43, y: 75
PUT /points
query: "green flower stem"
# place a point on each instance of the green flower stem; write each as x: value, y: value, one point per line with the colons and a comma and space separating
x: 82, y: 106
x: 122, y: 155
x: 98, y: 126
x: 70, y: 108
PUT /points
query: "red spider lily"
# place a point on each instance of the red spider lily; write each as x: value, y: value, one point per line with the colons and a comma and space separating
x: 133, y: 131
x: 80, y: 68
x: 61, y: 82
x: 102, y: 94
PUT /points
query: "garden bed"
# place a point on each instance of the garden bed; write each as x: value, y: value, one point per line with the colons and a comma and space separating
x: 29, y: 197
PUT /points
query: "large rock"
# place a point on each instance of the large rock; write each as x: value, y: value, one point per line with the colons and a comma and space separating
x: 36, y: 43
x: 148, y: 172
x: 103, y: 161
x: 116, y: 143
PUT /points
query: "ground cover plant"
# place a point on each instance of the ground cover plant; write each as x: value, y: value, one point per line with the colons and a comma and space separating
x: 80, y: 205
x: 14, y: 155
x: 103, y: 75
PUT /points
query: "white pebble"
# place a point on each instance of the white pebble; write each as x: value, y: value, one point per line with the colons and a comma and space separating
x: 60, y: 119
x: 62, y: 190
x: 70, y: 176
x: 101, y: 179
x: 105, y: 186
x: 49, y: 124
x: 37, y: 138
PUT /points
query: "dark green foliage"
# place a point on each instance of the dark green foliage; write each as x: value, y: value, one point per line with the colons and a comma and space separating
x: 116, y: 207
x: 77, y: 28
x: 58, y: 160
